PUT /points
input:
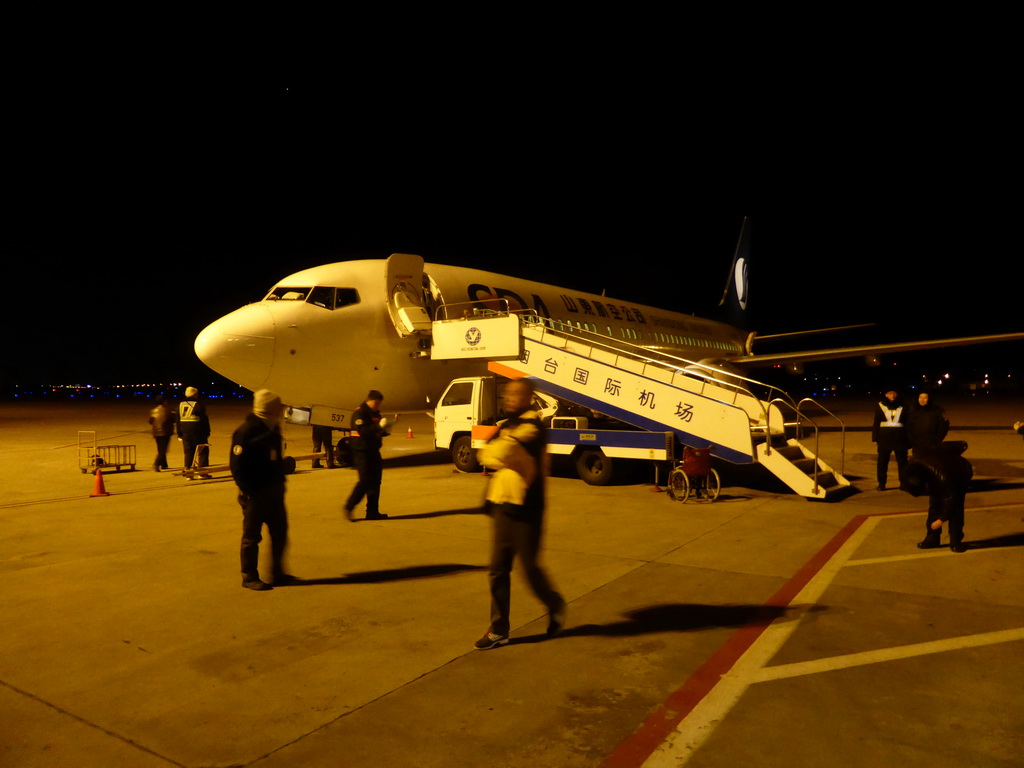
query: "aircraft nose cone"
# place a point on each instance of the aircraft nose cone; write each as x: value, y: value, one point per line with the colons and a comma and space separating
x: 240, y: 346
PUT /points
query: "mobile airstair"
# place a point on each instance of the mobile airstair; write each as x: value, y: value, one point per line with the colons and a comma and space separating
x: 741, y: 420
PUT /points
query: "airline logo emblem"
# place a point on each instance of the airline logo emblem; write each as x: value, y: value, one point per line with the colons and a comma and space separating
x: 473, y: 336
x: 740, y: 277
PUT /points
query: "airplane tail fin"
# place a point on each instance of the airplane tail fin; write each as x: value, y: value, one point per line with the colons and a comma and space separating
x: 734, y: 299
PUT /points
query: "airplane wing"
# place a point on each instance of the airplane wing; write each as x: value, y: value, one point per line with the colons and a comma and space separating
x: 872, y: 350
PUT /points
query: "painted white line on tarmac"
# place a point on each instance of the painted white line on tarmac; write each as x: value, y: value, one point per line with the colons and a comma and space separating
x: 699, y: 724
x: 939, y: 552
x: 880, y: 655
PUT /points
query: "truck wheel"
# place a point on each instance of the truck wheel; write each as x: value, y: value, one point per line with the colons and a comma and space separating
x: 593, y: 467
x: 343, y: 452
x: 463, y: 455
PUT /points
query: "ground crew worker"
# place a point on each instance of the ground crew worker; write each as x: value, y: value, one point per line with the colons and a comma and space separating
x: 889, y: 435
x: 257, y: 465
x: 369, y: 429
x: 194, y: 430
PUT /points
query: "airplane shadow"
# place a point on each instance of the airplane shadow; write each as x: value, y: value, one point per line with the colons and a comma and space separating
x: 679, y: 617
x: 391, y: 574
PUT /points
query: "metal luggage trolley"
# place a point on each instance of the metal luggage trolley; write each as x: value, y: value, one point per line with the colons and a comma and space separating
x: 694, y: 477
x: 92, y: 457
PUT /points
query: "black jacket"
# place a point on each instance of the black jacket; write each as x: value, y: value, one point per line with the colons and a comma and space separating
x: 927, y: 426
x: 942, y: 473
x: 368, y: 435
x: 257, y: 459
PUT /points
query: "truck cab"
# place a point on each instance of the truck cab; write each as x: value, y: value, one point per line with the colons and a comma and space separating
x: 474, y: 401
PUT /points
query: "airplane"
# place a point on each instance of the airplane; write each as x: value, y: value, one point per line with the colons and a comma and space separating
x: 323, y: 337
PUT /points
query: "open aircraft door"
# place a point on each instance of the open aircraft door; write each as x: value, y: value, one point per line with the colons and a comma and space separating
x: 403, y: 280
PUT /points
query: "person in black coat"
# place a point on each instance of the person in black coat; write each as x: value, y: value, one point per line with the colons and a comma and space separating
x: 943, y: 474
x: 889, y: 434
x: 927, y: 424
x: 369, y: 431
x: 257, y: 465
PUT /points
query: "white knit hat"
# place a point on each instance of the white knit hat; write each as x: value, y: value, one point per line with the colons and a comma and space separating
x: 263, y: 399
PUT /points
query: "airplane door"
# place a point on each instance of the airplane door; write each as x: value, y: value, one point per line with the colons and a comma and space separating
x: 404, y: 294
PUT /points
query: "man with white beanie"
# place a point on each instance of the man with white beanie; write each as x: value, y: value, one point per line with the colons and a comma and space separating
x: 194, y: 431
x: 257, y: 465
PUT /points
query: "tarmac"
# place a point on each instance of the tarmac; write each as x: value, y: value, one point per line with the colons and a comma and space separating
x: 759, y: 630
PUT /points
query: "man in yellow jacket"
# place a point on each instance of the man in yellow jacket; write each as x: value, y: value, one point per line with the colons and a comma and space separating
x: 518, y: 456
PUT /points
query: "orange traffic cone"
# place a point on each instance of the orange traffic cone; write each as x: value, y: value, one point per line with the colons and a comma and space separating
x: 408, y: 435
x: 98, y: 489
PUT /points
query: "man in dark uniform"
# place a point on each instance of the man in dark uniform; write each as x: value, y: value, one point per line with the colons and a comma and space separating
x: 518, y: 456
x: 369, y: 429
x: 889, y: 434
x: 257, y: 465
x: 194, y: 430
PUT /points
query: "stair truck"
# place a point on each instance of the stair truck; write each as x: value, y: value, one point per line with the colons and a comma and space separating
x: 469, y: 410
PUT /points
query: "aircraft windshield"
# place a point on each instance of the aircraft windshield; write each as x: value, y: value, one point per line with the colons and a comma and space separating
x: 320, y: 296
x: 287, y: 293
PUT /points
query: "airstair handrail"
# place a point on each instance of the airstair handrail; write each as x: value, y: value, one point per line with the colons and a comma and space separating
x: 842, y: 429
x: 676, y: 365
x: 472, y: 309
x: 799, y: 420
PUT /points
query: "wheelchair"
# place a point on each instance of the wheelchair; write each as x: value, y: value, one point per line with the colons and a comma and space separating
x: 694, y: 477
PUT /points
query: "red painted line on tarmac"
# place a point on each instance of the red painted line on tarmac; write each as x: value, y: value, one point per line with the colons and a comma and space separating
x: 656, y: 728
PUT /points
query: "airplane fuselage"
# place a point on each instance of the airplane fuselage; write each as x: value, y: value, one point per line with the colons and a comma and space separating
x: 325, y: 336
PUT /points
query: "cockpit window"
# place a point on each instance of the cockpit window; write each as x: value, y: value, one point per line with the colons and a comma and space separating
x: 288, y: 293
x: 346, y: 296
x: 320, y: 296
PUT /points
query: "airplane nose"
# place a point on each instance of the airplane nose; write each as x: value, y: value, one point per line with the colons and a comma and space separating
x: 240, y: 346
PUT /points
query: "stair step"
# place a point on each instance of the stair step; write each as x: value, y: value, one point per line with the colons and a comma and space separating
x: 791, y: 452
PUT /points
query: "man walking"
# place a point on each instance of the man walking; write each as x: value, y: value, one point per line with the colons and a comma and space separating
x: 517, y: 454
x: 370, y: 430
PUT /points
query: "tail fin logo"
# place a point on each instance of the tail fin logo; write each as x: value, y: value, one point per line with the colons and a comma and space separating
x: 740, y: 280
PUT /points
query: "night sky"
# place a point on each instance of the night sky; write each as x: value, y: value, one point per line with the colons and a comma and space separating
x: 141, y: 214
